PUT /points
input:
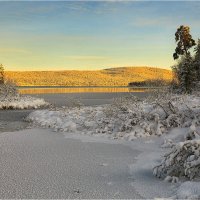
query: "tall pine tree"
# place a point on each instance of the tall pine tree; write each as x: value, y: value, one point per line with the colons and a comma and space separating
x: 184, y: 70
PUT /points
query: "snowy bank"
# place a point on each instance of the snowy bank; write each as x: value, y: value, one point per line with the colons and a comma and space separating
x: 22, y: 102
x: 126, y: 118
x: 115, y: 123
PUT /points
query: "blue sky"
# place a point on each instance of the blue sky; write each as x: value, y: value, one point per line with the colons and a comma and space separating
x: 92, y: 34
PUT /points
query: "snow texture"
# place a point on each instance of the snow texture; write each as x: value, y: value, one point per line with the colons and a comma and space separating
x: 188, y: 190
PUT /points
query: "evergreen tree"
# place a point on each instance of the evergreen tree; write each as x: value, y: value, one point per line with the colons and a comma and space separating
x: 185, y: 74
x: 184, y: 70
x: 197, y: 60
x: 184, y: 42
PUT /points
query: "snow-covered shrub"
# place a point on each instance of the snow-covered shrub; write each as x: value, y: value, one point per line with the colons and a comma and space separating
x: 11, y: 99
x: 127, y: 117
x: 22, y: 102
x: 176, y: 110
x: 182, y: 161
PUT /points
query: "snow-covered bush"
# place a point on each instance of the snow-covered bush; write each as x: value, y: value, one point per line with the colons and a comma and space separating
x: 22, y: 102
x: 182, y: 161
x: 126, y: 118
x: 11, y: 99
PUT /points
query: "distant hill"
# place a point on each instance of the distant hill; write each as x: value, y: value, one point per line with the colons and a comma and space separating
x: 108, y: 77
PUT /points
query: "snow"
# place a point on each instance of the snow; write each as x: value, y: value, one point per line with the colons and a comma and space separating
x: 22, y: 102
x: 188, y: 190
x: 127, y: 119
x: 41, y: 164
x: 147, y: 185
x: 174, y: 157
x: 93, y: 120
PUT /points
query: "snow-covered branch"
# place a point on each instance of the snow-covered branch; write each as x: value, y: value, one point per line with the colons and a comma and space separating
x: 182, y: 161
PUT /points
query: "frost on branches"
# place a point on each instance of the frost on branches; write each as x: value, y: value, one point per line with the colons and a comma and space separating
x: 11, y: 99
x: 127, y: 118
x: 22, y: 102
x: 182, y: 161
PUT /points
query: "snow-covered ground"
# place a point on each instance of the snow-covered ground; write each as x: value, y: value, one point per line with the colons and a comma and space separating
x: 22, y: 102
x: 175, y: 118
x: 41, y: 164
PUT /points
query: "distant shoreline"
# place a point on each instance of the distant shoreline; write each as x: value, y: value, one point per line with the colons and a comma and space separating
x: 57, y: 86
x: 116, y: 77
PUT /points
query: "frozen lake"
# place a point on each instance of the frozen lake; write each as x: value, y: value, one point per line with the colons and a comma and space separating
x: 87, y: 99
x: 60, y: 96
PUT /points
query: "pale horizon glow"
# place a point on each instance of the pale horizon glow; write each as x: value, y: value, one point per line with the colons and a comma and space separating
x: 86, y: 35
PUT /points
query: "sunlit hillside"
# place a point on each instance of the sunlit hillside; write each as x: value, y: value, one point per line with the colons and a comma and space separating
x: 108, y: 77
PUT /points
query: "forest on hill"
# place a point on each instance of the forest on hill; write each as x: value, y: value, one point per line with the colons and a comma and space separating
x: 107, y: 77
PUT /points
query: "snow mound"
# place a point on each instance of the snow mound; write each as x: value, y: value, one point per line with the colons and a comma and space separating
x: 182, y: 161
x: 126, y: 118
x: 22, y: 102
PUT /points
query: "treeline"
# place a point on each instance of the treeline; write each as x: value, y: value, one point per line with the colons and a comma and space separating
x: 108, y: 77
x: 151, y: 83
